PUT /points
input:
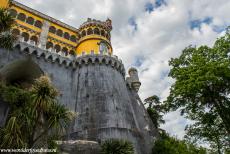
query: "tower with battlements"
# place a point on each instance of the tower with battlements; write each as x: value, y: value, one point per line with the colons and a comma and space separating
x: 91, y: 80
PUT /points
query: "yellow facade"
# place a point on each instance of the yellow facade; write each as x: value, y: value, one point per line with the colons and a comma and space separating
x: 91, y: 43
x: 4, y: 3
x: 92, y: 37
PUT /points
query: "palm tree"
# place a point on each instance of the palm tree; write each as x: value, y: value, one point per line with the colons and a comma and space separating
x: 48, y: 114
x: 35, y: 113
x: 6, y: 22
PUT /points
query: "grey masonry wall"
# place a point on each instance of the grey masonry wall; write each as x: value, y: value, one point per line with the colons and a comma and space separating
x: 94, y: 86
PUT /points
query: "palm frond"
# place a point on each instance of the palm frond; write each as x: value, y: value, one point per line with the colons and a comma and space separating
x: 117, y: 146
x: 7, y: 40
x: 43, y: 94
x: 11, y: 135
x: 6, y: 20
x: 59, y: 118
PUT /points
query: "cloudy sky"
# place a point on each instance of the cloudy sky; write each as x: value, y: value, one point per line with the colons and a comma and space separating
x: 147, y: 33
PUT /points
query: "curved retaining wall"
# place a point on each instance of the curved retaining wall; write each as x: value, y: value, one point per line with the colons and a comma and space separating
x: 94, y: 86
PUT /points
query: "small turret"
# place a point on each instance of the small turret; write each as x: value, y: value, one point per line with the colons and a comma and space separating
x: 95, y: 37
x: 133, y: 79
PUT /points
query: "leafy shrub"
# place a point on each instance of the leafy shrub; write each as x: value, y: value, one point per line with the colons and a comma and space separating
x: 117, y: 146
x: 171, y: 145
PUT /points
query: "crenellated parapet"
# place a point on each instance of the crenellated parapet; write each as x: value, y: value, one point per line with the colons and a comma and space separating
x: 112, y: 61
x: 71, y: 61
x: 107, y: 25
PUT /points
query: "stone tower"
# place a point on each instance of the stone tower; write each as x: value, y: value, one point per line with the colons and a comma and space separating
x: 91, y: 80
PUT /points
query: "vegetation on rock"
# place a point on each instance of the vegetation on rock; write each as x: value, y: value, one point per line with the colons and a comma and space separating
x: 117, y: 146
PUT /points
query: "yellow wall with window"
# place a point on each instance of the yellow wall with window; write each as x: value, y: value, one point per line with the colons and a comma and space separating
x: 19, y: 10
x: 62, y: 38
x: 86, y: 43
x: 90, y: 44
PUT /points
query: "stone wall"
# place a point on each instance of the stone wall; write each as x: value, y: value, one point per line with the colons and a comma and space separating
x: 94, y: 86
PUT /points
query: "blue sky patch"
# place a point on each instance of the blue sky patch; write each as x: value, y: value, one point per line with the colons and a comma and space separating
x: 197, y: 23
x: 219, y: 29
x: 164, y: 74
x: 138, y: 61
x: 158, y: 3
x: 133, y: 23
x: 150, y: 7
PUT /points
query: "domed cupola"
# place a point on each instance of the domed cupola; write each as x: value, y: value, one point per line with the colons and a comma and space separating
x: 94, y: 37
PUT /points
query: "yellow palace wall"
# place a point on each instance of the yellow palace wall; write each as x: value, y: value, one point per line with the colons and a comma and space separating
x: 86, y: 44
x: 89, y: 44
x: 4, y: 3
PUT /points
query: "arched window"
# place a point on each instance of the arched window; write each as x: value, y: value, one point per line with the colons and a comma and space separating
x: 102, y: 33
x: 83, y: 33
x: 72, y: 52
x: 35, y: 39
x: 52, y: 29
x: 89, y: 31
x: 49, y: 45
x: 66, y: 35
x: 25, y: 36
x: 57, y: 48
x: 30, y: 20
x: 65, y: 51
x: 21, y: 16
x: 59, y: 33
x: 16, y: 32
x: 103, y: 48
x: 13, y: 13
x: 73, y: 38
x: 38, y: 24
x: 96, y: 31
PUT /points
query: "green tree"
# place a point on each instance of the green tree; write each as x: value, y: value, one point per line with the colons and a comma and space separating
x: 155, y: 110
x: 117, y: 146
x: 202, y: 89
x: 35, y: 115
x: 170, y: 145
x: 6, y: 22
x: 214, y: 135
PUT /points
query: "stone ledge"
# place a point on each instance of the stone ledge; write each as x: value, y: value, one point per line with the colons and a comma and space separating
x: 78, y: 146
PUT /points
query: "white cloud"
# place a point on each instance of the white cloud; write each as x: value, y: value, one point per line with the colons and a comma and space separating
x: 160, y: 35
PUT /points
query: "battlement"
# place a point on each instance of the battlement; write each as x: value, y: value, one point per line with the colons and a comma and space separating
x: 107, y: 25
x: 70, y: 61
